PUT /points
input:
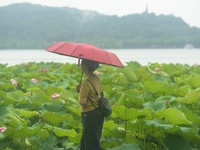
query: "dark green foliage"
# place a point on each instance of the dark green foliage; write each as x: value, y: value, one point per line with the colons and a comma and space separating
x: 155, y: 107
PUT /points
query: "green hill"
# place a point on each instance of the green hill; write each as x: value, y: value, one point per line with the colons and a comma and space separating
x: 27, y: 26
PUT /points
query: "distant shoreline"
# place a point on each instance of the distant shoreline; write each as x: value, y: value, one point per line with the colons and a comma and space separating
x: 142, y: 56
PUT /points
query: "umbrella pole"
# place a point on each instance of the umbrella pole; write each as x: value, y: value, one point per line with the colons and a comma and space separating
x: 82, y: 71
x: 79, y: 86
x: 81, y: 77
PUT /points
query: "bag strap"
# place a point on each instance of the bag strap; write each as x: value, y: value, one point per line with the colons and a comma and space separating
x: 95, y: 92
x: 101, y: 94
x: 93, y: 87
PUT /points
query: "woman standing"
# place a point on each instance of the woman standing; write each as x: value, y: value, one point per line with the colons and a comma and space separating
x: 92, y: 122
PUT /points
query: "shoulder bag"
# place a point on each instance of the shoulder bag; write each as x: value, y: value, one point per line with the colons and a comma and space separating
x: 105, y: 108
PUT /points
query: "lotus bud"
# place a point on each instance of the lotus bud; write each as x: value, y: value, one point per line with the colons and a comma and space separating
x: 55, y: 95
x: 46, y: 69
x: 3, y: 129
x: 34, y: 80
x: 14, y: 82
x: 158, y: 69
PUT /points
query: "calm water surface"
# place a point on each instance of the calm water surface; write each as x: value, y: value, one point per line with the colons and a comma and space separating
x: 143, y: 56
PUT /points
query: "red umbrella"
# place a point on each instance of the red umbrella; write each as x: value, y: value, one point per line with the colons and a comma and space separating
x: 85, y: 51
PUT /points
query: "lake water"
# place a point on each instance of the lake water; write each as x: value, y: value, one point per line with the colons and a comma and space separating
x: 143, y: 56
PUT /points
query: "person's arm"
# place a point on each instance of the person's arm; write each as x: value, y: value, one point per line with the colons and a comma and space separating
x: 82, y: 101
x: 83, y: 94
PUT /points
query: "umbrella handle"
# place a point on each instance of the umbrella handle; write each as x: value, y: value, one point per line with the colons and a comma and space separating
x: 79, y: 86
x: 79, y: 60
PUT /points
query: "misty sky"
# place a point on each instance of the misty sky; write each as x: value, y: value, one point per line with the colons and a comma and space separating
x: 188, y: 10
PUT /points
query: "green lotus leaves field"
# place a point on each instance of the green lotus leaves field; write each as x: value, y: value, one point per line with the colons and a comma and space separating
x: 154, y: 107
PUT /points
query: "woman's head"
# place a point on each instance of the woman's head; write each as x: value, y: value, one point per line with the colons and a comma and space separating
x: 91, y: 65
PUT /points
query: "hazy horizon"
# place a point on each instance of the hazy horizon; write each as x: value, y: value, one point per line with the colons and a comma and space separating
x: 188, y: 10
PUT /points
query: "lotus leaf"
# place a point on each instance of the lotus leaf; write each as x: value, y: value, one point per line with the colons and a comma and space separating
x: 28, y: 114
x: 40, y: 98
x: 173, y: 116
x: 16, y: 96
x: 156, y: 87
x: 124, y: 113
x: 124, y: 146
x: 143, y: 75
x: 191, y: 97
x: 130, y: 75
x: 121, y: 100
x: 61, y: 132
x: 158, y: 105
x: 110, y: 125
x: 153, y: 108
x: 54, y: 118
x: 43, y: 134
x: 194, y: 81
x: 176, y: 142
x: 120, y: 79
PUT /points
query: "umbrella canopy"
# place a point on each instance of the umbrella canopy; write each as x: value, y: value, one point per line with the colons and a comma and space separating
x: 85, y: 51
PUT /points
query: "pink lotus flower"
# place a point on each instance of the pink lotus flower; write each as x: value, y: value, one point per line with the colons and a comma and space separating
x: 34, y: 80
x: 46, y: 69
x: 14, y: 82
x: 55, y: 95
x: 3, y: 129
x: 158, y: 69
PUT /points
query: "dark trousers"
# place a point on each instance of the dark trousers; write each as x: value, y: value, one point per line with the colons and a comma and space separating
x: 92, y: 124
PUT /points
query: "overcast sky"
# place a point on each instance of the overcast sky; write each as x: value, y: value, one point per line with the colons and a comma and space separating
x: 188, y: 10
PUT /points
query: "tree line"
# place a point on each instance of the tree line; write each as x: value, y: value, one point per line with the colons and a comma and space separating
x: 28, y: 26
